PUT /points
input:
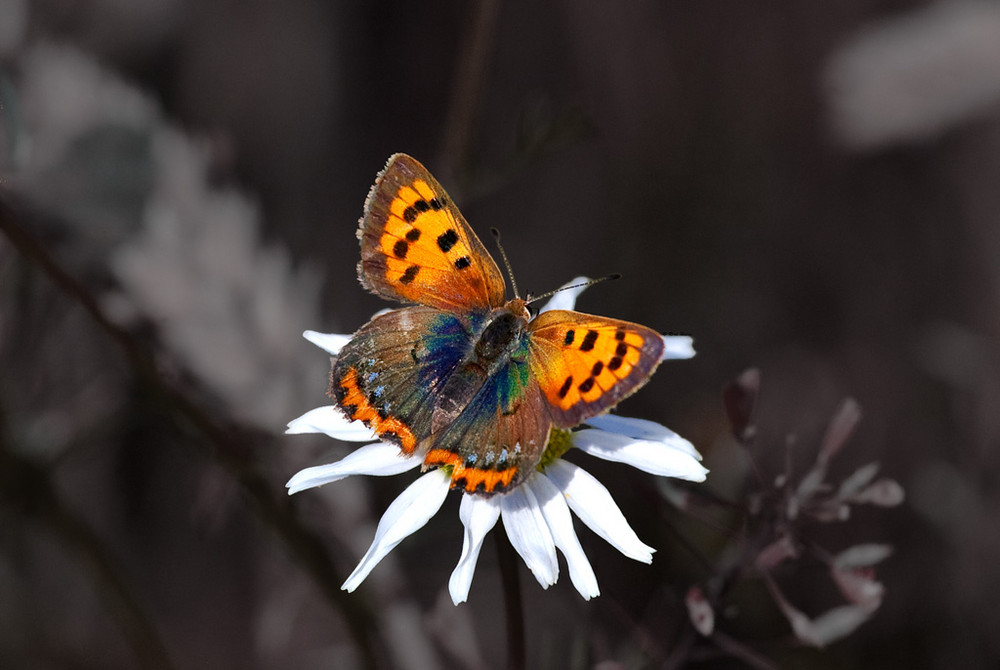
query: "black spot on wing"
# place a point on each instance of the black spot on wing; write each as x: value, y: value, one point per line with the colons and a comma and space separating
x: 447, y: 240
x: 410, y: 274
x: 565, y: 387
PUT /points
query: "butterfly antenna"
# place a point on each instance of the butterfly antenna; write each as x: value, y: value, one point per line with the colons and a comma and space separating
x: 585, y: 284
x: 506, y: 262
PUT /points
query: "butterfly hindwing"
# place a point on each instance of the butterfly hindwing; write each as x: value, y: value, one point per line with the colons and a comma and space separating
x: 417, y: 247
x: 586, y: 364
x: 389, y: 375
x: 498, y: 438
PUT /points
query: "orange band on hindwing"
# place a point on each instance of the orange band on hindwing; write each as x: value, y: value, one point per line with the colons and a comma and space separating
x: 359, y: 408
x: 473, y: 480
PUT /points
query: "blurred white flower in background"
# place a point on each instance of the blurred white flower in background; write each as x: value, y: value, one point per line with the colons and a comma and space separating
x: 13, y: 25
x: 227, y: 305
x: 913, y: 77
x: 188, y: 254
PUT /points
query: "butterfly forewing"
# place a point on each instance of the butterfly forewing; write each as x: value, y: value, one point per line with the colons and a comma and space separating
x: 586, y: 364
x: 417, y: 247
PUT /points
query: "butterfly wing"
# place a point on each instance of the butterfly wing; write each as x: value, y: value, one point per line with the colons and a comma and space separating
x: 390, y: 374
x: 498, y: 439
x: 587, y: 364
x: 417, y: 247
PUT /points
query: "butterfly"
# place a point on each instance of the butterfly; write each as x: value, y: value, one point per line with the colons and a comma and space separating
x: 464, y: 377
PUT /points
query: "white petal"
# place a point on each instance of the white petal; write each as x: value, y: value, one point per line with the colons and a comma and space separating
x: 331, y: 342
x: 478, y: 515
x: 665, y: 458
x: 677, y: 347
x: 528, y: 532
x: 407, y: 514
x: 557, y: 516
x: 565, y: 298
x: 592, y: 502
x: 642, y: 429
x: 332, y: 422
x: 379, y: 458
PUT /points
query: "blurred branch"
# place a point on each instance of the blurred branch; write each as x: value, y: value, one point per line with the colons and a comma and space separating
x: 221, y: 443
x: 541, y: 128
x: 28, y: 486
x: 473, y: 56
x: 741, y: 651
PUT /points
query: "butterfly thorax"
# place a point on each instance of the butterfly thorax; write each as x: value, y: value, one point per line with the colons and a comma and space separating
x: 502, y: 330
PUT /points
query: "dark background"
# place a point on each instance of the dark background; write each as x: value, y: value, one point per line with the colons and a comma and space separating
x: 720, y: 155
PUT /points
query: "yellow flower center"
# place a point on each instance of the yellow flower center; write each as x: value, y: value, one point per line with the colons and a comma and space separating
x: 559, y: 443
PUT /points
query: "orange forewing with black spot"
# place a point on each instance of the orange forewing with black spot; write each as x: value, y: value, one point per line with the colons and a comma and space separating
x: 417, y: 247
x: 586, y: 364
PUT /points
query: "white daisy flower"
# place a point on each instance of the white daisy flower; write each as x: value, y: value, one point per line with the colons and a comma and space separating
x: 536, y: 514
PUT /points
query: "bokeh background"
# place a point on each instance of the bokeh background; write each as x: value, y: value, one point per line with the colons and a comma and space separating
x: 806, y: 188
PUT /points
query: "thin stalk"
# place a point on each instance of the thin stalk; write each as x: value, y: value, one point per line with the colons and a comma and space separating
x: 512, y: 604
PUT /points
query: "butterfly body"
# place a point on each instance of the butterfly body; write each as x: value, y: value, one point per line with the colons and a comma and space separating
x: 466, y: 378
x: 499, y: 344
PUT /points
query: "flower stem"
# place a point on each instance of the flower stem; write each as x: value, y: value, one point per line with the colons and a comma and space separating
x: 513, y: 606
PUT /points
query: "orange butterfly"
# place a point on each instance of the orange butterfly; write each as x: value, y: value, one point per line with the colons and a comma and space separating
x: 466, y: 377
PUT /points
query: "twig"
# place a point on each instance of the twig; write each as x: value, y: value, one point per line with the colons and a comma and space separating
x: 680, y: 649
x: 737, y: 649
